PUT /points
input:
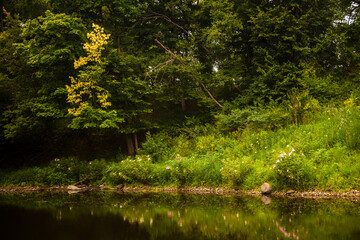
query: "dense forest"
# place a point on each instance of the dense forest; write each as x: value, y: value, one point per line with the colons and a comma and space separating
x: 104, y: 78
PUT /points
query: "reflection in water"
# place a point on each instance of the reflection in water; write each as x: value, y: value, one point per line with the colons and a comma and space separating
x: 98, y: 215
x: 266, y: 199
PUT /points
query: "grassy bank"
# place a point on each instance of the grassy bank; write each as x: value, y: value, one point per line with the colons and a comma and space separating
x: 321, y: 154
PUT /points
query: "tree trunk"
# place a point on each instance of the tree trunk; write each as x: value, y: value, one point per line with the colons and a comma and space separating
x: 1, y: 19
x: 183, y: 103
x: 130, y: 144
x: 118, y: 43
x: 136, y: 143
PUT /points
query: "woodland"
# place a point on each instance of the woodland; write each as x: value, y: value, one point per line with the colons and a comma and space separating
x: 183, y: 79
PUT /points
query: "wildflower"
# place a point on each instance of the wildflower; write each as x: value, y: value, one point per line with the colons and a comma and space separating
x: 274, y: 166
x: 293, y: 150
x: 90, y: 163
x: 69, y: 169
x: 278, y: 161
x: 168, y: 167
x: 234, y: 170
x: 119, y: 173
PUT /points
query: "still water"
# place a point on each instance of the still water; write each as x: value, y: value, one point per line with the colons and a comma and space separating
x: 111, y: 215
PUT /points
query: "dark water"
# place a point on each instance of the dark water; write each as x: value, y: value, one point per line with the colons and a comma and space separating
x: 111, y: 215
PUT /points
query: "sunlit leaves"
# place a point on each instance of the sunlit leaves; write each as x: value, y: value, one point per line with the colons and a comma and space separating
x: 85, y: 90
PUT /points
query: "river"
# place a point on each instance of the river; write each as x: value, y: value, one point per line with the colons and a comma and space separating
x: 113, y: 215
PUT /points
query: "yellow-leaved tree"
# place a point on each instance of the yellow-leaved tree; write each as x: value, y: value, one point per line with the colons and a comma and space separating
x: 89, y: 100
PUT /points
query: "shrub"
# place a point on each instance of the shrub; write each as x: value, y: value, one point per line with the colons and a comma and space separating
x: 131, y: 170
x: 205, y: 170
x: 74, y: 169
x: 22, y: 177
x: 293, y: 170
x: 235, y: 171
x: 270, y: 118
x: 95, y: 170
x: 157, y: 146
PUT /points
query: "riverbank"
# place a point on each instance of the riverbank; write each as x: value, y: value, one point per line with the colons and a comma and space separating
x: 353, y: 195
x: 322, y: 154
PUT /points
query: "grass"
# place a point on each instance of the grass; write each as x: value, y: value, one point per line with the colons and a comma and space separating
x: 319, y: 155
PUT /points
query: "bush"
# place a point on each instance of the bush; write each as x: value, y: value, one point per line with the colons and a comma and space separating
x: 131, y: 170
x: 293, y: 170
x: 270, y: 118
x: 74, y: 169
x: 157, y: 146
x: 235, y: 171
x: 95, y: 171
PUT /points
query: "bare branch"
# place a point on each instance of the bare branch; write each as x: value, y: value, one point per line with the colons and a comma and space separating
x: 160, y: 66
x: 158, y: 15
x: 197, y: 79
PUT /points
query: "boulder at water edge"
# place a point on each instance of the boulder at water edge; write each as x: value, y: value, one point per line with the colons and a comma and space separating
x: 266, y: 189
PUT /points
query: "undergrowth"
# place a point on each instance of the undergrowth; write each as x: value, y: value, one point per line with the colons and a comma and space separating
x: 318, y: 155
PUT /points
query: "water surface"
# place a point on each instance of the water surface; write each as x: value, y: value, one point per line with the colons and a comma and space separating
x: 111, y: 215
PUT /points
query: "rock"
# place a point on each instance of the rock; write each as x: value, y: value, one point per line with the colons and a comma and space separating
x: 74, y: 188
x: 290, y: 192
x: 266, y: 189
x: 120, y: 187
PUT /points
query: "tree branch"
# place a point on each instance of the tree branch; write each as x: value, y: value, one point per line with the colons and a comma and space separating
x: 158, y: 15
x: 184, y: 64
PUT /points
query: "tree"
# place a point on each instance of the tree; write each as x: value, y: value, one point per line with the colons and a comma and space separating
x: 88, y: 98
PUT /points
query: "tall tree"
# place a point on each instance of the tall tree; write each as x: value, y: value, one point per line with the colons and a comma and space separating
x: 48, y: 47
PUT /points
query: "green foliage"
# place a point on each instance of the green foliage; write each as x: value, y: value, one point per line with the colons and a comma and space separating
x: 301, y: 105
x: 73, y: 168
x: 157, y: 146
x: 269, y: 63
x: 38, y: 71
x: 293, y: 170
x: 95, y: 171
x: 130, y: 170
x: 235, y: 171
x: 34, y: 176
x: 270, y: 118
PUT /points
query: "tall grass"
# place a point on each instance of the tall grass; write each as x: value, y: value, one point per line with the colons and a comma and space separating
x: 322, y: 154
